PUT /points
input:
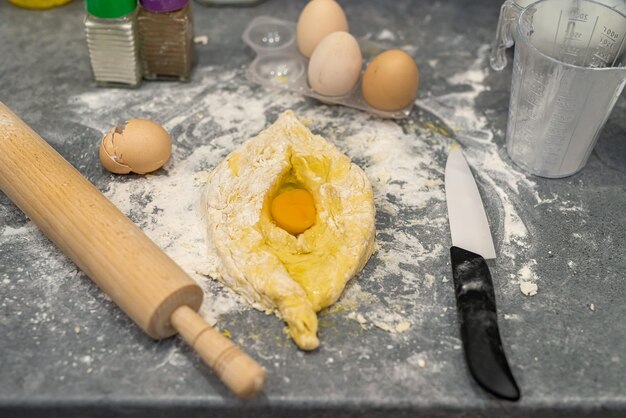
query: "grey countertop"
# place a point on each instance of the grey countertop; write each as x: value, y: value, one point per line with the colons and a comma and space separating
x: 66, y: 350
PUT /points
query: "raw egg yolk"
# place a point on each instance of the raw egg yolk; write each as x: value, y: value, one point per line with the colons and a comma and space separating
x: 293, y: 210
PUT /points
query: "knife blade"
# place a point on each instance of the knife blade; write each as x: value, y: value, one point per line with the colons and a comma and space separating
x: 473, y: 287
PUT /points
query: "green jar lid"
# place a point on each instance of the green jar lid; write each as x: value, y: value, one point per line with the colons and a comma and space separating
x: 110, y: 9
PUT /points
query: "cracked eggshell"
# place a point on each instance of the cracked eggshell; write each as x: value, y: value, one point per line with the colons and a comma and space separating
x: 141, y: 146
x: 107, y: 155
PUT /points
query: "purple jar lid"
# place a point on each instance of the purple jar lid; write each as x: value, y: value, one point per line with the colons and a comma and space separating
x: 162, y: 6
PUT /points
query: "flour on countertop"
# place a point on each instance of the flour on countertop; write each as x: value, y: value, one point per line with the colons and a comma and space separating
x: 483, y: 155
x: 201, y: 39
x: 490, y: 164
x: 386, y: 35
x: 528, y: 288
x: 404, y: 161
x: 527, y: 278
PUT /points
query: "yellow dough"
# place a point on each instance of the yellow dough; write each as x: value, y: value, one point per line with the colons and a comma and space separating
x: 293, y: 275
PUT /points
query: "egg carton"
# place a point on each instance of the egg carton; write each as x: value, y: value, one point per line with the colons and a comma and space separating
x: 279, y: 64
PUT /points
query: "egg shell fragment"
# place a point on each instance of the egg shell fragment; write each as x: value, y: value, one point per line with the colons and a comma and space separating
x: 318, y: 19
x: 335, y: 65
x: 141, y: 146
x: 107, y: 155
x: 391, y: 80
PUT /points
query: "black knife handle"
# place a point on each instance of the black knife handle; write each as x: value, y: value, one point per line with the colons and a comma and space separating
x: 476, y: 305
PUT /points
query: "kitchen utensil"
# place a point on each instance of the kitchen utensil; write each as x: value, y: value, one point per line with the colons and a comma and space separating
x: 475, y: 298
x: 507, y: 27
x: 279, y: 64
x: 568, y: 73
x: 144, y: 282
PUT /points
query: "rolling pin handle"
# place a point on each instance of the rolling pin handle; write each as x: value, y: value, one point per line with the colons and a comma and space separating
x: 236, y: 369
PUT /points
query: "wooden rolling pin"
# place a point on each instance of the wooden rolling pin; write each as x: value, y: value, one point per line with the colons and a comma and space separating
x: 144, y: 282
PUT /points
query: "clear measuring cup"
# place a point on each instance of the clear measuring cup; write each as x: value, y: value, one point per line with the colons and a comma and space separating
x: 507, y: 27
x: 505, y: 33
x: 568, y: 72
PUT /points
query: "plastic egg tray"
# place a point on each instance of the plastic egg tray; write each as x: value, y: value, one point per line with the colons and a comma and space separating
x: 279, y: 64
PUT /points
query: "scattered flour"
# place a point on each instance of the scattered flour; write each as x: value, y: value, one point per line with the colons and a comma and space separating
x: 386, y: 35
x: 211, y: 121
x: 398, y: 328
x: 471, y: 129
x: 404, y: 161
x: 201, y: 39
x: 429, y: 279
x: 494, y: 170
x: 402, y: 326
x: 526, y: 273
x: 528, y: 288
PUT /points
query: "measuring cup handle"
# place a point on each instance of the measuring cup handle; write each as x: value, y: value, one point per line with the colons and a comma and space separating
x: 504, y: 35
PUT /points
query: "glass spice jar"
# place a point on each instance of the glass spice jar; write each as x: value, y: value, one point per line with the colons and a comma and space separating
x: 166, y: 38
x: 111, y: 32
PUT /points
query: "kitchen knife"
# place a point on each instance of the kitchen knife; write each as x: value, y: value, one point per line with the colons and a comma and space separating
x: 473, y: 287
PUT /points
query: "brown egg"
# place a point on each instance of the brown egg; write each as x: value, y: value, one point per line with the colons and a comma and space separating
x: 318, y: 19
x: 391, y: 80
x: 140, y: 146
